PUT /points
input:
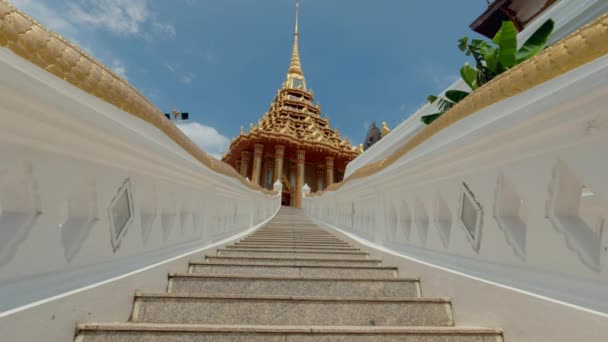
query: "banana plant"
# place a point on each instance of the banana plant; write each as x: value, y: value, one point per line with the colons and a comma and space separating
x: 491, y: 60
x: 452, y: 97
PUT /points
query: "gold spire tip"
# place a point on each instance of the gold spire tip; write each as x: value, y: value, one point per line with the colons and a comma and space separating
x: 297, y: 14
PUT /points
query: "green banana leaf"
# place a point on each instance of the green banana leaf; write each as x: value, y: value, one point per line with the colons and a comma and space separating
x: 455, y: 96
x: 427, y: 119
x: 506, y: 39
x: 469, y: 75
x: 442, y: 104
x: 536, y: 42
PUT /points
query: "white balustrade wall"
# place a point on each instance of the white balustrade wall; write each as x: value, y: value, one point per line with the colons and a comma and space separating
x: 66, y: 159
x: 515, y: 194
x: 568, y: 16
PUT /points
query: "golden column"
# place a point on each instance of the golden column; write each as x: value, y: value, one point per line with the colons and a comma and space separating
x: 257, y: 163
x: 300, y: 178
x: 238, y: 166
x: 279, y: 152
x: 329, y: 171
x: 245, y: 163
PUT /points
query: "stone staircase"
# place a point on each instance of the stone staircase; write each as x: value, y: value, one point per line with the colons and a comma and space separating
x: 288, y: 281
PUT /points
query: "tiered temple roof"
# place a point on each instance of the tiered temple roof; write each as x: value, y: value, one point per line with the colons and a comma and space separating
x: 293, y: 119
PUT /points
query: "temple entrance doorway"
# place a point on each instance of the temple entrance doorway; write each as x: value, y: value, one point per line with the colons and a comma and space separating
x: 285, y: 198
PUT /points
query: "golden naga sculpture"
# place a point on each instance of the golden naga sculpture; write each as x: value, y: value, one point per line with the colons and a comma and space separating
x: 48, y: 50
x: 51, y: 52
x: 580, y: 47
x: 385, y: 129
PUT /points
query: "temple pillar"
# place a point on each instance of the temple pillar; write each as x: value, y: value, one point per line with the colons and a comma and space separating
x: 257, y: 163
x: 245, y: 157
x: 279, y: 152
x: 319, y: 178
x: 300, y: 177
x: 238, y: 166
x: 329, y: 171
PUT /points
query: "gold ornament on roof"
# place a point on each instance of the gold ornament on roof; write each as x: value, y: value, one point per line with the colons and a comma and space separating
x: 385, y: 129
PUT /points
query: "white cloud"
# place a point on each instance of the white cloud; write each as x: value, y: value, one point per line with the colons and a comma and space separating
x: 119, y: 67
x: 45, y: 15
x: 123, y: 17
x: 182, y: 77
x: 170, y: 67
x: 167, y: 30
x: 206, y: 137
x: 187, y: 78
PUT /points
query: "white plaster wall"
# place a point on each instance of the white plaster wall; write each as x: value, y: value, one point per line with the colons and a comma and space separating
x: 536, y: 164
x: 569, y: 15
x: 64, y: 154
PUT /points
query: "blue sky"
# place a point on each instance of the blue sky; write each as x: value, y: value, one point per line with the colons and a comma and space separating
x: 222, y: 61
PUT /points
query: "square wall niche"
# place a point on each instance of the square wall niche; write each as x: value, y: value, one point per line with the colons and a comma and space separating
x: 577, y: 213
x: 470, y: 216
x: 121, y: 213
x: 511, y: 215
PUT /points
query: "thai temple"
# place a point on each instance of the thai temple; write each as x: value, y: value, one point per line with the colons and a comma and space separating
x: 292, y: 144
x: 480, y: 217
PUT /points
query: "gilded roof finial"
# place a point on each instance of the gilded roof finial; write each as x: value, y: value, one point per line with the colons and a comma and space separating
x: 242, y: 130
x: 385, y: 129
x: 297, y: 12
x: 294, y: 66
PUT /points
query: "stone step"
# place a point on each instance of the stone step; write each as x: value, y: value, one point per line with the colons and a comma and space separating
x: 292, y: 247
x: 295, y: 253
x: 135, y: 332
x: 290, y: 260
x: 188, y: 308
x: 292, y: 226
x: 297, y: 238
x: 329, y: 241
x: 326, y: 270
x: 291, y: 221
x: 294, y: 240
x: 293, y: 235
x: 293, y: 286
x: 249, y: 243
x: 295, y: 248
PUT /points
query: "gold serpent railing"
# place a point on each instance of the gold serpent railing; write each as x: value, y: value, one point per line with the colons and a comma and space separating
x: 48, y: 50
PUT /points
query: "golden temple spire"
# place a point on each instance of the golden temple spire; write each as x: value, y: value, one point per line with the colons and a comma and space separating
x: 295, y: 76
x: 294, y: 66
